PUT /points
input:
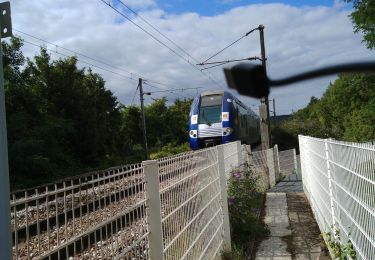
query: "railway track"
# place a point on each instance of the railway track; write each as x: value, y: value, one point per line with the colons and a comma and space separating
x: 66, y: 220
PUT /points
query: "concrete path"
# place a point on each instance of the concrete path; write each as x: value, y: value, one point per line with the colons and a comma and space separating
x: 275, y: 246
x: 291, y: 183
x: 294, y: 233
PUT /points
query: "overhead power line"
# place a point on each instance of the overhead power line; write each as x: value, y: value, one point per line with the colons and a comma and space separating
x: 156, y: 29
x: 178, y: 96
x: 220, y: 63
x: 93, y: 65
x: 135, y: 93
x: 226, y: 47
x: 78, y: 53
x: 176, y: 89
x: 82, y: 61
x: 161, y: 42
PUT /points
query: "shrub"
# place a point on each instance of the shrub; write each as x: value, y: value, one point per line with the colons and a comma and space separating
x: 245, y: 202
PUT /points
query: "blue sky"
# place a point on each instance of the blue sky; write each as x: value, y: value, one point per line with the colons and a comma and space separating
x: 215, y: 7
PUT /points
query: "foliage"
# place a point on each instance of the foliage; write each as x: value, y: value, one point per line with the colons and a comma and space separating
x: 339, y: 250
x: 346, y: 111
x: 61, y: 120
x: 245, y: 202
x: 363, y: 18
x: 237, y: 253
x: 169, y: 150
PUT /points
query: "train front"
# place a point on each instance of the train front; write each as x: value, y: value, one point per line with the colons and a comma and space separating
x: 211, y: 120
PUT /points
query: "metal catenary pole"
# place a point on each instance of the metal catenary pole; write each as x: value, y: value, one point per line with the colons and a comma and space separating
x: 141, y: 94
x: 5, y: 237
x: 264, y: 100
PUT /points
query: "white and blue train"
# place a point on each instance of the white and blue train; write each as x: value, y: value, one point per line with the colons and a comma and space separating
x: 218, y: 117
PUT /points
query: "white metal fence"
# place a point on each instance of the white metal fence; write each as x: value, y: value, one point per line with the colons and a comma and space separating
x: 265, y: 164
x: 89, y: 217
x: 173, y: 208
x: 339, y: 180
x: 288, y: 162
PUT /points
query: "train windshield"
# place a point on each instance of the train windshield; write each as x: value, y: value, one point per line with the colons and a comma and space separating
x: 210, y: 109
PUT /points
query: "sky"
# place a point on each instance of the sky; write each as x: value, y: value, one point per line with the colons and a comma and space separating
x: 299, y: 35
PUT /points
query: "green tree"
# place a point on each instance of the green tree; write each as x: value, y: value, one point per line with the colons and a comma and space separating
x: 346, y: 111
x: 60, y: 119
x: 363, y: 18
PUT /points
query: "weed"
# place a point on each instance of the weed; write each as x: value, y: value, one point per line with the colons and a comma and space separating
x: 339, y: 250
x: 245, y: 202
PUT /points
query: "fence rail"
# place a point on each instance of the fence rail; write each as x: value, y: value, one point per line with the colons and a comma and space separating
x: 173, y: 208
x: 339, y: 180
x: 111, y: 214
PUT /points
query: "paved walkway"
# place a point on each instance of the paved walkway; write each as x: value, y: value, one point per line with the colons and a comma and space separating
x: 291, y: 183
x: 294, y: 233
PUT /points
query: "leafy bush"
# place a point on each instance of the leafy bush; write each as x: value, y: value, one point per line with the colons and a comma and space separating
x: 245, y: 201
x: 339, y: 250
x: 170, y: 149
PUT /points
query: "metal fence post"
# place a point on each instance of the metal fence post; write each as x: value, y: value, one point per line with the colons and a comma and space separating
x: 295, y: 160
x: 329, y: 182
x: 276, y: 161
x: 246, y: 151
x: 224, y: 197
x: 271, y: 167
x: 239, y: 153
x: 151, y: 173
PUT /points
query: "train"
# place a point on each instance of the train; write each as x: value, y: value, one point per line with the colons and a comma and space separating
x: 218, y: 117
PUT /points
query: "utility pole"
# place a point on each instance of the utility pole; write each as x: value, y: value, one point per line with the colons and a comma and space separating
x: 6, y: 235
x: 141, y: 94
x: 264, y: 107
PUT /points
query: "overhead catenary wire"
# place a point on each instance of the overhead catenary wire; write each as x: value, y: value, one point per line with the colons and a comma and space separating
x: 176, y: 89
x: 162, y: 43
x: 226, y: 47
x: 135, y: 93
x: 220, y: 63
x: 77, y: 53
x: 79, y: 60
x: 178, y: 96
x: 91, y: 65
x: 158, y: 31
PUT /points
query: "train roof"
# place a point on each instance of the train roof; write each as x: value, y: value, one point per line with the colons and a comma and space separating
x: 212, y: 92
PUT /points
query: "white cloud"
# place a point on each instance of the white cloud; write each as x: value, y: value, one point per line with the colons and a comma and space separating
x: 297, y: 39
x: 140, y: 4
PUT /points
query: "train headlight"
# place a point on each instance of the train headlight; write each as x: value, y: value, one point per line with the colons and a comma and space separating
x: 227, y: 131
x: 194, y: 119
x: 193, y: 133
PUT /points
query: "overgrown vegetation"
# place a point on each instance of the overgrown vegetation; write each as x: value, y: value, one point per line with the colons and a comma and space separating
x: 346, y: 111
x: 170, y: 149
x: 245, y: 201
x: 63, y: 121
x: 339, y: 250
